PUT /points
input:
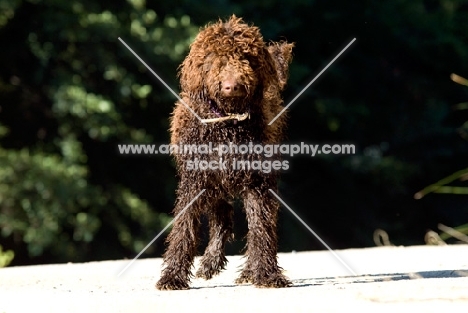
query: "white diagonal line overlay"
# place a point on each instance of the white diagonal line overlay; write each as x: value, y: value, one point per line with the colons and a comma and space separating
x: 160, y: 233
x: 161, y: 80
x: 308, y: 85
x: 314, y: 233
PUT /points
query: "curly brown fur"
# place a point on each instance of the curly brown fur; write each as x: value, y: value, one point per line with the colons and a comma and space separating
x: 229, y: 69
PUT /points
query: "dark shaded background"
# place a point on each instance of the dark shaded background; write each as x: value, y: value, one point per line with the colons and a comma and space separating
x: 70, y: 92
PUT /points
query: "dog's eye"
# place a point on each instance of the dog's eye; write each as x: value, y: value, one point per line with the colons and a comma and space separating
x: 252, y: 62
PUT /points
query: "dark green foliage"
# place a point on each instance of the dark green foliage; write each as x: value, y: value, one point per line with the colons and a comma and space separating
x: 69, y: 94
x: 6, y: 257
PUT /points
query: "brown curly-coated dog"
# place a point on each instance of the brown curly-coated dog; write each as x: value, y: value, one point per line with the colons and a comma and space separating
x: 229, y: 70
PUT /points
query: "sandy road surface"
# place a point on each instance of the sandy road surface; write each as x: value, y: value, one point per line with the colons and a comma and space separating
x: 389, y: 279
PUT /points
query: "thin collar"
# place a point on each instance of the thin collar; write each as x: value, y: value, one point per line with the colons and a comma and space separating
x: 222, y: 117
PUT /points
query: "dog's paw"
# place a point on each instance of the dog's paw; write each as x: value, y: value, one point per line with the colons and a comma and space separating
x: 206, y: 273
x: 245, y: 277
x: 272, y: 281
x: 172, y: 283
x: 210, y: 267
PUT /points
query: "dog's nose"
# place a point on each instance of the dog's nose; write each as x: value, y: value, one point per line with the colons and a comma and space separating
x: 230, y: 88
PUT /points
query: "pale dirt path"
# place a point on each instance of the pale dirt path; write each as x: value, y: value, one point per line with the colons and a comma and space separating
x: 390, y: 279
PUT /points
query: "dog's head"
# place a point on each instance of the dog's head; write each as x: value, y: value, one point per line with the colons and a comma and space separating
x: 229, y: 66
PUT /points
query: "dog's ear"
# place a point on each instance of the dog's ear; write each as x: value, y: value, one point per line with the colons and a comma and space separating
x: 281, y: 53
x: 191, y: 74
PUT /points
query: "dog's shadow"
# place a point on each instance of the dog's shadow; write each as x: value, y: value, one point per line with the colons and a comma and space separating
x: 373, y: 278
x: 361, y: 279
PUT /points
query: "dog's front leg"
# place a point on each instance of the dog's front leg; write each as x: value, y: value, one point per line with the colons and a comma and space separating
x: 261, y: 268
x: 182, y: 242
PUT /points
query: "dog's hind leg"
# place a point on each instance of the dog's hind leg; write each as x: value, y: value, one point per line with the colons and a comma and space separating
x: 220, y: 218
